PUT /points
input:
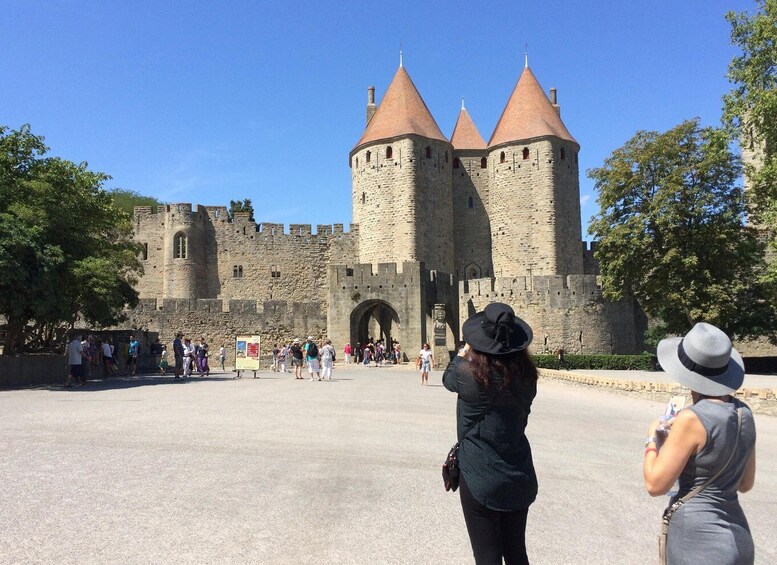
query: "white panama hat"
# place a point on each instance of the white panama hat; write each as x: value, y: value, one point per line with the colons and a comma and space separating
x: 704, y: 360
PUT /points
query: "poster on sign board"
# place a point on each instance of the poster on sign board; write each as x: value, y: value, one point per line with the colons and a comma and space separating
x: 247, y: 351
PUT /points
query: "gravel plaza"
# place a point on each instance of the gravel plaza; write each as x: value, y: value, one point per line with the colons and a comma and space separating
x: 273, y: 470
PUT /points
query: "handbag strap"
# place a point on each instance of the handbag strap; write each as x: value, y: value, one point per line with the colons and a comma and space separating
x: 701, y: 487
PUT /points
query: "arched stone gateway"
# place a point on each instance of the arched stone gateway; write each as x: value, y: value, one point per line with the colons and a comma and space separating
x: 375, y: 319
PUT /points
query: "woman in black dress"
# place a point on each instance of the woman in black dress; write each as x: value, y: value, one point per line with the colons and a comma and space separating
x: 496, y: 382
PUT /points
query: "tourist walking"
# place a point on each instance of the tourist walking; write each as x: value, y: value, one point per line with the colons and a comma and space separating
x: 132, y: 356
x: 327, y: 360
x: 222, y: 357
x: 425, y: 362
x: 178, y: 353
x: 275, y: 353
x: 76, y: 354
x: 709, y: 447
x: 202, y: 357
x: 163, y: 360
x: 496, y: 382
x: 347, y: 350
x: 296, y: 358
x: 312, y: 357
x: 109, y: 363
x: 561, y: 360
x: 282, y: 355
x: 189, y: 358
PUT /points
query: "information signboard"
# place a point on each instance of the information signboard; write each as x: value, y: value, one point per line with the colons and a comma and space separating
x: 247, y: 350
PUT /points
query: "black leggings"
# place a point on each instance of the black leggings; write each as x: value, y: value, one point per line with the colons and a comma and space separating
x: 494, y: 534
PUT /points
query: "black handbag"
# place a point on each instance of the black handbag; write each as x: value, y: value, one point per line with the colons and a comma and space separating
x: 450, y: 468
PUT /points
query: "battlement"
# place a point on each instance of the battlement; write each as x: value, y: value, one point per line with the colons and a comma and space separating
x: 571, y: 285
x: 387, y: 274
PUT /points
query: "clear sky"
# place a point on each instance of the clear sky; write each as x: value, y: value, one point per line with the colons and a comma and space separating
x: 204, y: 102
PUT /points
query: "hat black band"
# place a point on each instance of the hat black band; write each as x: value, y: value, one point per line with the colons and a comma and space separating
x: 689, y: 364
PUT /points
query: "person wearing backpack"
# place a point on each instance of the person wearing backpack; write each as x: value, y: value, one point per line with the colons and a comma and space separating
x: 311, y: 353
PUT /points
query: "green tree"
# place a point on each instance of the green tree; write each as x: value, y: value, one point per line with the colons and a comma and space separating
x: 66, y: 251
x: 240, y: 206
x: 671, y: 233
x: 126, y: 200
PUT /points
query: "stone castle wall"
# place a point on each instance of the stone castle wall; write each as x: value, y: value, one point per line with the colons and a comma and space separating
x: 471, y: 225
x: 402, y: 203
x: 237, y: 259
x: 567, y: 312
x: 532, y: 203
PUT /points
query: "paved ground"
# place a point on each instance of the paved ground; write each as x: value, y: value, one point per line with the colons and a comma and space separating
x: 280, y: 471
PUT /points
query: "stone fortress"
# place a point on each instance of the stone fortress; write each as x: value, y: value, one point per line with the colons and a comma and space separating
x: 441, y: 228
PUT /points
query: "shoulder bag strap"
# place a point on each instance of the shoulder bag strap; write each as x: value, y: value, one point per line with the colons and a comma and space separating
x: 701, y: 487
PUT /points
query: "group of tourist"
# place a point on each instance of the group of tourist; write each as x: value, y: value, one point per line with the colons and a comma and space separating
x: 709, y: 447
x: 85, y: 356
x: 318, y: 357
x: 190, y: 356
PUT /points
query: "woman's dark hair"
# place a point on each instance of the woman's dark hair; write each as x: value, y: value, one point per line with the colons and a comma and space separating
x: 517, y: 364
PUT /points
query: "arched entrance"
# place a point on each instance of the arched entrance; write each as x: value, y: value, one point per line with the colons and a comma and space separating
x: 374, y: 319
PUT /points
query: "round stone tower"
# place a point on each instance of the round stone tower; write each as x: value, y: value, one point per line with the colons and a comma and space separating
x: 402, y: 182
x: 534, y: 192
x: 184, y: 254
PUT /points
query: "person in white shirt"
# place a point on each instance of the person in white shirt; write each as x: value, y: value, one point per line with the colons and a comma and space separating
x: 425, y: 363
x: 75, y: 357
x: 327, y: 360
x: 222, y: 356
x: 188, y: 357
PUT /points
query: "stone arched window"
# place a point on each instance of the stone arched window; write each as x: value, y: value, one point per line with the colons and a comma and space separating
x: 428, y: 152
x: 368, y: 157
x: 502, y: 157
x: 471, y: 202
x: 237, y: 271
x: 472, y: 271
x: 563, y: 153
x: 483, y: 163
x: 179, y: 246
x: 525, y: 153
x: 389, y: 152
x: 275, y: 272
x: 455, y: 162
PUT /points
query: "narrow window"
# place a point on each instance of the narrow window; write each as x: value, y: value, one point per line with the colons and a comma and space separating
x: 275, y: 272
x: 502, y: 157
x: 364, y: 197
x: 234, y: 272
x: 428, y: 152
x: 471, y: 203
x: 179, y: 246
x: 525, y: 153
x: 446, y: 156
x: 357, y: 162
x: 455, y: 162
x: 368, y: 156
x: 145, y: 251
x: 563, y: 153
x: 483, y: 163
x: 240, y: 271
x: 389, y: 152
x: 575, y: 158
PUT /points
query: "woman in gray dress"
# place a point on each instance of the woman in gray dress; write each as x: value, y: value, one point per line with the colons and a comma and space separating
x: 712, y: 439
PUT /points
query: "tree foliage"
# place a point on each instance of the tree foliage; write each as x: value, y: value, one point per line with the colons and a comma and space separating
x: 126, y: 200
x: 671, y: 233
x: 65, y: 249
x: 750, y: 111
x: 240, y: 206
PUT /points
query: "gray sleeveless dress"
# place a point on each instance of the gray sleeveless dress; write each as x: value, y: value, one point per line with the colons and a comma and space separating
x: 711, y: 527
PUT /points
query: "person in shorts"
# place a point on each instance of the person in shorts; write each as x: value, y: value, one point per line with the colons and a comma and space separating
x: 163, y: 361
x: 75, y: 357
x: 296, y: 358
x: 426, y: 362
x: 132, y: 355
x: 312, y: 357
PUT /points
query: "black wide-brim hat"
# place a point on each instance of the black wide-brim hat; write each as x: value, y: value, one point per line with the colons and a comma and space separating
x: 497, y: 331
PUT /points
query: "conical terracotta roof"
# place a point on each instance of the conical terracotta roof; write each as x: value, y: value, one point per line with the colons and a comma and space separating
x: 465, y: 134
x: 401, y: 112
x: 528, y: 114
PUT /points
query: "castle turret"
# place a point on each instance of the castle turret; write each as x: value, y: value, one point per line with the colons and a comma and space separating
x: 401, y: 171
x: 534, y: 191
x: 472, y: 241
x: 184, y: 253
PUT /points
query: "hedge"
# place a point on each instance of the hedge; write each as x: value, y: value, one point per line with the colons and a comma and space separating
x: 604, y: 362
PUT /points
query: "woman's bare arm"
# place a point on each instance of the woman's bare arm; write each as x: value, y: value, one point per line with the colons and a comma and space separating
x: 686, y: 437
x: 748, y: 477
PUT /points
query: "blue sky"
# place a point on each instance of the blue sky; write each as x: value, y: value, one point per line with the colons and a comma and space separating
x: 205, y: 102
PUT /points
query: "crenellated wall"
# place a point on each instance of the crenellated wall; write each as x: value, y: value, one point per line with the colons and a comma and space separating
x: 568, y: 312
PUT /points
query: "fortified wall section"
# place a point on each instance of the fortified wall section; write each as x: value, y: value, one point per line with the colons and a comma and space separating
x: 471, y: 228
x: 219, y: 322
x: 568, y: 312
x: 237, y: 259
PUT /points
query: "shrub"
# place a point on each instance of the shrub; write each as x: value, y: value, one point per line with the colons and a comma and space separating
x: 604, y: 362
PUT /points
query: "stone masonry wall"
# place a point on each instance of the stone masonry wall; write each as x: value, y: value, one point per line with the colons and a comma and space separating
x: 471, y: 225
x: 529, y: 236
x: 563, y: 311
